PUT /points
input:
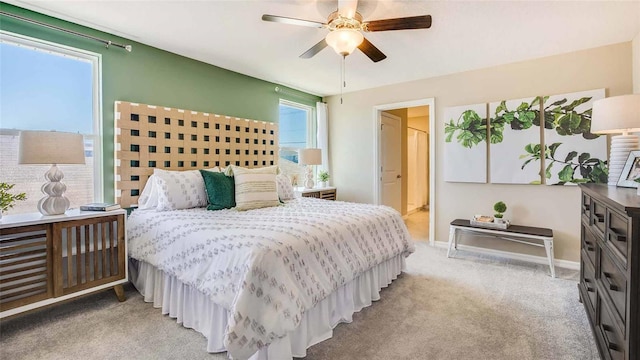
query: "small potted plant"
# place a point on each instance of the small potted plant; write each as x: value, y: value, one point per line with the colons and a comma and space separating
x: 499, y: 207
x: 323, y: 178
x: 7, y: 200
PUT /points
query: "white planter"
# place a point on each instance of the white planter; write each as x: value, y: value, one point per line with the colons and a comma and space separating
x: 322, y: 184
x: 499, y: 220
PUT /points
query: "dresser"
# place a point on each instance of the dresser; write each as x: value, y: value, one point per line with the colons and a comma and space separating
x: 609, y: 268
x: 47, y: 259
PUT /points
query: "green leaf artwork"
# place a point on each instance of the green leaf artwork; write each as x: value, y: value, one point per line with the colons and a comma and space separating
x: 471, y: 129
x: 566, y: 117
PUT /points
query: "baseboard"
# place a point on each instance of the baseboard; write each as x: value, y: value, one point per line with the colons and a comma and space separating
x: 566, y: 264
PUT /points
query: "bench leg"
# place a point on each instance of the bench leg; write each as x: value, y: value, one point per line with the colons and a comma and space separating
x: 452, y: 236
x: 548, y: 246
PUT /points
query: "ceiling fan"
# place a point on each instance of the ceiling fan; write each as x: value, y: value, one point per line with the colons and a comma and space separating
x: 345, y: 30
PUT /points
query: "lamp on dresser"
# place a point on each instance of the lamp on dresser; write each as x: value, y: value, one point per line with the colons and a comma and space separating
x: 309, y: 157
x: 617, y: 115
x: 51, y: 147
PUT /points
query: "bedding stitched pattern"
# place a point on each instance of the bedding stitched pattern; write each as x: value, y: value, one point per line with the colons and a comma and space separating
x: 267, y: 266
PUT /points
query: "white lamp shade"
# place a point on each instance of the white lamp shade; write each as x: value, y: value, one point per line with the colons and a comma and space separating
x: 310, y: 157
x: 615, y: 115
x: 344, y: 41
x: 50, y: 147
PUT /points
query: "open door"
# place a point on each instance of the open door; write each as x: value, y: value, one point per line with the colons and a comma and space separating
x: 391, y: 162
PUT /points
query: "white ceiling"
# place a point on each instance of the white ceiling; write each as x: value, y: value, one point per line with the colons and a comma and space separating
x: 464, y: 35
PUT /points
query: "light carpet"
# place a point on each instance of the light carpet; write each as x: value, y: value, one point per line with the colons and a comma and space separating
x: 468, y: 307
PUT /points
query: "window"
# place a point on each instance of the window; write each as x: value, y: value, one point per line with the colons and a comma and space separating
x: 46, y: 86
x: 296, y: 129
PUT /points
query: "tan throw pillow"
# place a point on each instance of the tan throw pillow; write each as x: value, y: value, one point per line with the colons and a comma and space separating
x: 255, y: 188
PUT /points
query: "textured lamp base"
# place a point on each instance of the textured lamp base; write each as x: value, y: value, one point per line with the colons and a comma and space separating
x: 54, y: 202
x: 308, y: 183
x: 621, y: 146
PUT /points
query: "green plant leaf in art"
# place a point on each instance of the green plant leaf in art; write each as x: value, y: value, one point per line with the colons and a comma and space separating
x: 566, y: 174
x: 570, y: 156
x: 529, y: 148
x: 576, y: 103
x: 501, y: 107
x: 535, y: 182
x: 552, y: 149
x: 526, y: 118
x: 523, y: 106
x: 589, y: 136
x: 549, y: 119
x: 547, y: 171
x: 555, y: 103
x: 536, y: 101
x: 579, y: 181
x: 583, y: 157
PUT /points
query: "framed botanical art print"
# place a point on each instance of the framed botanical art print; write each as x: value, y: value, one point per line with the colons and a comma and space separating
x: 631, y: 172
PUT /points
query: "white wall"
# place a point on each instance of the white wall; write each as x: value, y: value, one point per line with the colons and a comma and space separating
x: 635, y: 44
x: 352, y: 134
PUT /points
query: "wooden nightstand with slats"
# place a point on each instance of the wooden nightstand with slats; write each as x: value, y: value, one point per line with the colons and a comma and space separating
x: 47, y: 259
x: 325, y: 193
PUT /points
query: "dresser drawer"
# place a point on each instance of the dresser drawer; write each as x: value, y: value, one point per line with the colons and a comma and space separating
x: 614, y: 282
x: 589, y: 244
x: 617, y: 235
x: 588, y: 282
x: 598, y: 216
x: 614, y: 344
x: 585, y: 208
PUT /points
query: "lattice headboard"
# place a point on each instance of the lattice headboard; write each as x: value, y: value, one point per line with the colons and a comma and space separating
x: 148, y: 137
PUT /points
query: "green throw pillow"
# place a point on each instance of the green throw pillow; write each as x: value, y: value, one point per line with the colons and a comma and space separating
x: 221, y: 190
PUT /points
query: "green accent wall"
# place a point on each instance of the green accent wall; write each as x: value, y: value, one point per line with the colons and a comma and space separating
x: 152, y: 76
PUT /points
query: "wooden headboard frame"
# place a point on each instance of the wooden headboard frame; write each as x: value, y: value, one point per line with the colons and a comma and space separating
x: 148, y: 137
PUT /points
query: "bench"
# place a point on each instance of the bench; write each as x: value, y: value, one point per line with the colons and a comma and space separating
x: 529, y: 235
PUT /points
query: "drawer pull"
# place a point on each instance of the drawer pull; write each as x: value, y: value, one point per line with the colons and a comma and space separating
x: 587, y: 207
x: 590, y: 289
x: 606, y: 327
x: 612, y: 287
x: 616, y: 236
x: 598, y: 218
x: 590, y: 248
x: 614, y: 347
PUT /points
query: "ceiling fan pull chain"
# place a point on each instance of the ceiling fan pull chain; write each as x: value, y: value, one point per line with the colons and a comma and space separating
x: 343, y: 82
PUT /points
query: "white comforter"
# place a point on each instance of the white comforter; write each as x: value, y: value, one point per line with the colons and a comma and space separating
x: 268, y: 266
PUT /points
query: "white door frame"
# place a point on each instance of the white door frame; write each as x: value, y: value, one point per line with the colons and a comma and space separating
x: 377, y: 184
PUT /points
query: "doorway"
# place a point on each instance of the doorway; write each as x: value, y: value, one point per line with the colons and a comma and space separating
x: 416, y: 167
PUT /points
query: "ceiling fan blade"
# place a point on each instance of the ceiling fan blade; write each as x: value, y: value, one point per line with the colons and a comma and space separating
x: 413, y: 22
x: 371, y: 51
x: 347, y: 8
x: 292, y: 21
x: 314, y: 50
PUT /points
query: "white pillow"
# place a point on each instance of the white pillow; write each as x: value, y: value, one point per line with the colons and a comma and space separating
x: 180, y: 189
x: 285, y: 189
x: 255, y: 188
x: 149, y: 197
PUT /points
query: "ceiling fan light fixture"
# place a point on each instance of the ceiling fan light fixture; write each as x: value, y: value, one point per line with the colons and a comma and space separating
x: 344, y: 41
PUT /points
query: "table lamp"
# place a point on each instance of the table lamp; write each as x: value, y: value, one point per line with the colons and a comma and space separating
x: 309, y: 157
x: 617, y: 115
x: 51, y: 147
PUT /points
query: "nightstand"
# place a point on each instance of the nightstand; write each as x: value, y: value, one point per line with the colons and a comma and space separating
x: 47, y: 259
x: 325, y: 193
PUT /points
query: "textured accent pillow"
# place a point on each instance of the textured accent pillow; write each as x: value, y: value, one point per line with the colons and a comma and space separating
x: 255, y: 188
x: 179, y: 189
x: 149, y: 197
x: 220, y: 190
x: 285, y: 189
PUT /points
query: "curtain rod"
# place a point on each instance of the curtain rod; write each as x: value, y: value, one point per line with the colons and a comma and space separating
x: 293, y: 94
x: 106, y: 42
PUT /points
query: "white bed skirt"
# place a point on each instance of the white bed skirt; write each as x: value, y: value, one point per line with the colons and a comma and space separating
x: 196, y: 311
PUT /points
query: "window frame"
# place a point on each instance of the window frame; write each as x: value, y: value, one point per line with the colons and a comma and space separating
x: 312, y: 126
x: 96, y: 60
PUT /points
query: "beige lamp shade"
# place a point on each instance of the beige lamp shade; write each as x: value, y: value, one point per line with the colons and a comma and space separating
x: 50, y: 147
x: 616, y: 115
x: 310, y: 157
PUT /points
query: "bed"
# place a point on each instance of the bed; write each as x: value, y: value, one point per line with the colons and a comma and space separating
x: 265, y: 283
